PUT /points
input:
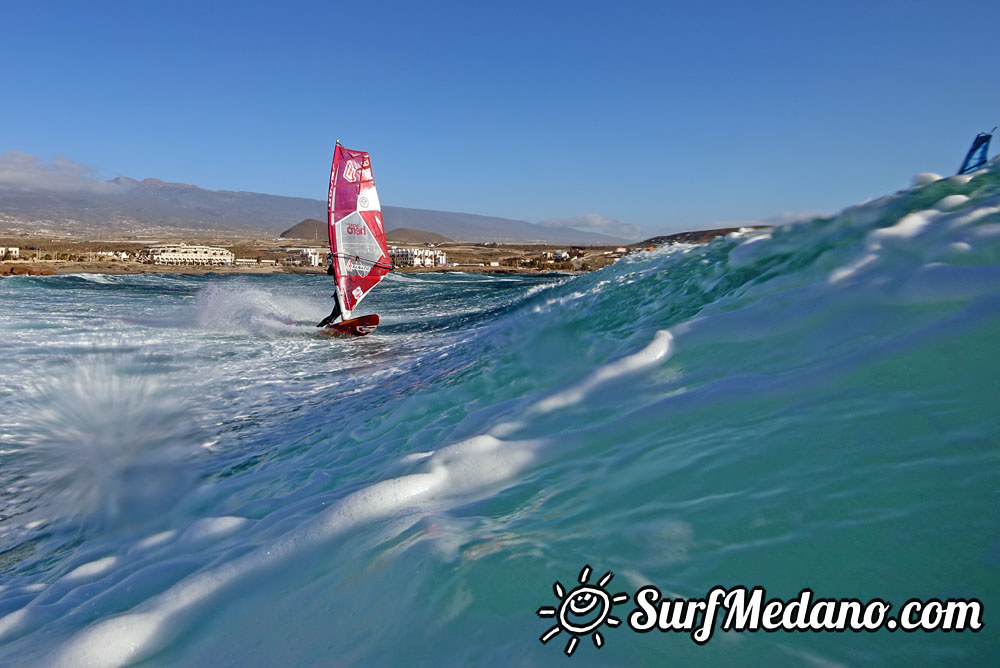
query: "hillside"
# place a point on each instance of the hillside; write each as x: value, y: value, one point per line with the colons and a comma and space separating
x: 125, y: 205
x: 309, y: 229
x: 408, y: 235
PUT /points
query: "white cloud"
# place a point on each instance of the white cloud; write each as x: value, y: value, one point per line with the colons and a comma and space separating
x: 21, y: 171
x: 595, y: 222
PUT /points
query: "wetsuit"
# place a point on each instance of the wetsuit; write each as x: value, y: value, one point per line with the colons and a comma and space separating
x: 334, y: 314
x: 336, y: 305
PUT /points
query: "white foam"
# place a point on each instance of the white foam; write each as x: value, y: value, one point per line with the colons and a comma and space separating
x: 91, y: 569
x: 560, y: 301
x: 154, y: 540
x: 12, y: 621
x: 907, y: 227
x: 212, y: 528
x: 842, y: 273
x: 973, y: 216
x: 463, y: 467
x: 951, y: 202
x: 655, y: 351
x: 923, y: 178
x: 417, y: 456
x: 96, y: 278
x: 987, y: 231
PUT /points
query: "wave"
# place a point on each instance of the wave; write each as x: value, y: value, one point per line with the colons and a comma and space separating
x: 786, y: 407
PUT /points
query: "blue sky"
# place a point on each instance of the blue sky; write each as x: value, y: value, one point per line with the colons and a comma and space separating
x: 662, y: 116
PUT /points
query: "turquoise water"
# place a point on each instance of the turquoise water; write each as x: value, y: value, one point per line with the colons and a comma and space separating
x: 187, y: 480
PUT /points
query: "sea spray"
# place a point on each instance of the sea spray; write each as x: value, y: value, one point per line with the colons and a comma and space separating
x: 100, y: 444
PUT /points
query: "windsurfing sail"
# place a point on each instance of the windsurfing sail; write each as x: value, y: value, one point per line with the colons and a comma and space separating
x: 357, y: 235
x: 976, y: 157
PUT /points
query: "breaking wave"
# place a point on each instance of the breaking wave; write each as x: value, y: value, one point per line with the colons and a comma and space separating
x: 191, y: 477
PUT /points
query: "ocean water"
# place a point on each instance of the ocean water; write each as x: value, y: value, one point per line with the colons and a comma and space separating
x: 187, y: 480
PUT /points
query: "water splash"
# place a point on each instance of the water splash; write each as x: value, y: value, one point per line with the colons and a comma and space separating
x: 101, y: 444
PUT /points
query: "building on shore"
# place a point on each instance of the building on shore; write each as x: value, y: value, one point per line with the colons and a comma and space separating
x: 254, y: 262
x: 417, y: 257
x: 184, y: 254
x: 9, y: 253
x: 111, y: 255
x: 307, y: 257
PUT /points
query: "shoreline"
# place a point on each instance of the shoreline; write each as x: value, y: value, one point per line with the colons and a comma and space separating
x: 471, y: 258
x: 62, y: 267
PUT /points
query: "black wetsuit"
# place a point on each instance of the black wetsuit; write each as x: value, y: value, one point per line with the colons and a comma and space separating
x: 336, y: 305
x: 334, y: 314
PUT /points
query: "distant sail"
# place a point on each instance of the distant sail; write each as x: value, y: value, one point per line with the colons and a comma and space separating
x: 976, y: 157
x: 357, y: 235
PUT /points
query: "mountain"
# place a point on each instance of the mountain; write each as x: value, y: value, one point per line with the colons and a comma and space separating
x: 473, y: 227
x: 125, y: 204
x: 309, y: 229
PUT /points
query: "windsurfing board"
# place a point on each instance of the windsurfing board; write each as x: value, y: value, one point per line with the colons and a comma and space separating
x: 366, y: 324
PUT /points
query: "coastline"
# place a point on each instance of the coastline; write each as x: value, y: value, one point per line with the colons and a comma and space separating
x: 472, y: 258
x: 58, y: 267
x: 54, y: 267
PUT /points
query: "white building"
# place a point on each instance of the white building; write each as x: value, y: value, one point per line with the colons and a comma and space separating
x: 184, y: 254
x: 309, y: 257
x: 417, y: 257
x: 112, y: 255
x: 9, y: 253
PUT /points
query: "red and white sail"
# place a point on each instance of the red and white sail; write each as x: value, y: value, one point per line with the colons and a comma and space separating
x: 357, y: 235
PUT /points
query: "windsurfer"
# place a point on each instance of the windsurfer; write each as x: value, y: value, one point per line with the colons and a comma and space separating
x: 356, y: 235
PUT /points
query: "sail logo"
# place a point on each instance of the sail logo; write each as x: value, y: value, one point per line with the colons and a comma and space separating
x: 355, y: 228
x: 351, y: 171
